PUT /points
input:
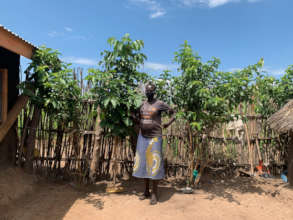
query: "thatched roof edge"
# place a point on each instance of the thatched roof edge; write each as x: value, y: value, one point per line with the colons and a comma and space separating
x: 282, y: 120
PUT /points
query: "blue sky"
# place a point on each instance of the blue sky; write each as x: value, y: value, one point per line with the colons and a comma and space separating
x: 239, y: 32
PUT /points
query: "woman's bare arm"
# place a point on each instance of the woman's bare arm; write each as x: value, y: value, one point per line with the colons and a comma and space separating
x: 172, y: 119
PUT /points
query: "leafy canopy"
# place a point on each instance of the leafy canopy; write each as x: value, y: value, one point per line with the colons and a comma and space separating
x: 271, y: 93
x: 116, y: 84
x: 205, y: 95
x: 50, y: 85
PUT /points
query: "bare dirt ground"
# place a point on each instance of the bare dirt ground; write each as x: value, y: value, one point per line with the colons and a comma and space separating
x: 233, y: 198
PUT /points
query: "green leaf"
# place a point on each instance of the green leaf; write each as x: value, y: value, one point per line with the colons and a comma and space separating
x: 127, y: 121
x: 114, y: 102
x: 106, y: 102
x: 137, y: 102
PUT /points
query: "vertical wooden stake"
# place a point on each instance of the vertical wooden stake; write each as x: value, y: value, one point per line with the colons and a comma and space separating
x: 258, y: 149
x: 249, y: 149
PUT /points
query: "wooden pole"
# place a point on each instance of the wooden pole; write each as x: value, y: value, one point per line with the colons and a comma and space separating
x: 258, y: 149
x: 249, y: 148
x: 4, y: 94
x: 290, y: 159
x: 12, y: 116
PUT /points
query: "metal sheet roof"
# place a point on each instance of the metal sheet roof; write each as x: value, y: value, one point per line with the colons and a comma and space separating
x: 14, y: 34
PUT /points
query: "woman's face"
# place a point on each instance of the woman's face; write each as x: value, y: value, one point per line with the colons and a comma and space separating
x: 150, y: 91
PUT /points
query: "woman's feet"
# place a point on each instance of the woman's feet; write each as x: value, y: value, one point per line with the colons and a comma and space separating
x: 144, y: 196
x: 154, y: 199
x: 154, y: 195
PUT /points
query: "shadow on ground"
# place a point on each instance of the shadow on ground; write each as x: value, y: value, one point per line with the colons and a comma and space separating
x: 54, y: 200
x: 229, y: 187
x: 49, y: 200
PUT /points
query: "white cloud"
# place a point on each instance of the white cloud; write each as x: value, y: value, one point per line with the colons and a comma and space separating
x: 80, y: 60
x: 273, y: 71
x: 212, y: 3
x: 66, y: 34
x: 156, y: 10
x: 68, y: 29
x: 209, y: 3
x: 234, y: 70
x: 157, y: 14
x: 54, y: 34
x: 267, y: 69
x: 159, y: 66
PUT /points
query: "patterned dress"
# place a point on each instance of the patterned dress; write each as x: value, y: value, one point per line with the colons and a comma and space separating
x: 148, y: 162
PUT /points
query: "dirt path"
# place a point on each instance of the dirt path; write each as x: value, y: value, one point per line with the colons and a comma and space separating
x: 239, y: 198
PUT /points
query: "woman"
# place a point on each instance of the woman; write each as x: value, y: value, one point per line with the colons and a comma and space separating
x: 148, y: 163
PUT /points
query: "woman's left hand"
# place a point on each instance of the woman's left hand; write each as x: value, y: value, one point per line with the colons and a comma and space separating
x: 165, y: 125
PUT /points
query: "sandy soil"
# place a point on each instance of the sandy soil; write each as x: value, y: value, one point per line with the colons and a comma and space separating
x: 14, y: 183
x: 234, y: 198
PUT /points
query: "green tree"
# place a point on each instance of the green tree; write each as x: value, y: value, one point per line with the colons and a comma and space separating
x: 51, y: 86
x: 286, y: 87
x: 52, y: 89
x: 116, y: 84
x: 271, y: 93
x: 164, y: 89
x: 267, y: 95
x: 207, y: 97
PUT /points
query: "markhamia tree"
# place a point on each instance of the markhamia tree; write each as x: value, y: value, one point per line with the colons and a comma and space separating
x: 116, y: 84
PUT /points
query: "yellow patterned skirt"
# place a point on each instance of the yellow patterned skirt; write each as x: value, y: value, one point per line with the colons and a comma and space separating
x: 148, y: 161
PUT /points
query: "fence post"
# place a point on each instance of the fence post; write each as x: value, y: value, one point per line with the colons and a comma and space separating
x: 96, y: 150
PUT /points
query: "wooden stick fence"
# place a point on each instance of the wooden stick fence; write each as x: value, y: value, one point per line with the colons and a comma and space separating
x: 56, y: 153
x: 68, y: 150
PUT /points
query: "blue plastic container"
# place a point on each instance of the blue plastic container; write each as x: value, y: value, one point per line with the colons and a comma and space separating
x: 195, y: 172
x: 284, y: 178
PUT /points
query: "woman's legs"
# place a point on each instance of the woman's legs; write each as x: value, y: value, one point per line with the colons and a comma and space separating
x: 154, y: 197
x: 146, y: 193
x: 147, y: 186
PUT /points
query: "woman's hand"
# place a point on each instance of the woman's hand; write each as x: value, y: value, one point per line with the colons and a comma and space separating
x: 165, y: 125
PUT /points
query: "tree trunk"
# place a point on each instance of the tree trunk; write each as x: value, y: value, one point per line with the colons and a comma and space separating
x: 96, y: 151
x: 31, y: 140
x: 115, y: 163
x: 23, y: 138
x: 58, y: 156
x: 200, y: 173
x: 191, y: 158
x: 203, y: 159
x: 134, y: 137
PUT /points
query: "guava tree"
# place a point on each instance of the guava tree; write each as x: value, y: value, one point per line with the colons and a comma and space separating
x: 51, y: 87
